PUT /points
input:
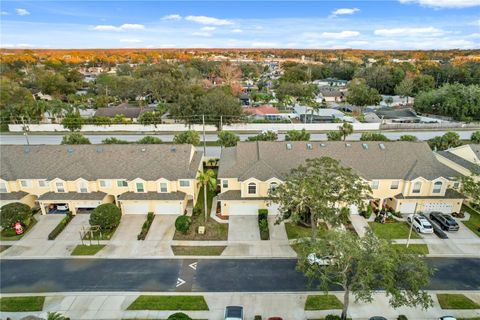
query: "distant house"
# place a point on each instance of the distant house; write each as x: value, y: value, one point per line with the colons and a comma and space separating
x: 307, y: 114
x: 332, y: 94
x: 397, y: 115
x: 245, y: 99
x: 266, y: 112
x: 130, y: 112
x: 396, y: 101
x: 330, y: 82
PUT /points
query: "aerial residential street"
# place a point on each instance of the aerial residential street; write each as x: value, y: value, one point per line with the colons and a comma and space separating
x: 211, y: 275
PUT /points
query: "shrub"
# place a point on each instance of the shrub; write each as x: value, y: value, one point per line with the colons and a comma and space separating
x: 332, y: 317
x: 196, y: 211
x: 257, y: 317
x: 182, y: 224
x: 187, y: 137
x: 146, y: 226
x: 150, y: 140
x: 150, y: 216
x: 367, y: 213
x: 106, y: 215
x: 373, y: 136
x: 59, y: 228
x: 13, y: 212
x: 179, y: 316
x: 263, y: 224
x: 75, y: 138
x: 402, y: 317
x: 334, y: 135
x: 262, y: 213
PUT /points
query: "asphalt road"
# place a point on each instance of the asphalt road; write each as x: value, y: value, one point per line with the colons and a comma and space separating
x: 208, y: 275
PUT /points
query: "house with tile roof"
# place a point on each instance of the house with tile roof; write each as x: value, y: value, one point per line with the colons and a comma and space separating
x: 405, y: 176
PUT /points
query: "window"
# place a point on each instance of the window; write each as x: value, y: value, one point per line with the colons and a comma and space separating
x: 375, y: 184
x: 82, y: 187
x: 3, y: 187
x: 139, y: 186
x: 252, y: 188
x: 456, y: 185
x: 394, y: 185
x: 105, y: 183
x: 163, y: 187
x: 42, y: 183
x: 437, y: 187
x: 184, y: 183
x: 225, y: 184
x: 416, y: 187
x: 273, y: 187
x: 60, y: 187
x: 122, y: 183
x: 25, y: 183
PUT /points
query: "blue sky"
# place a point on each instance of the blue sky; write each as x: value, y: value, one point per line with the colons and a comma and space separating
x: 394, y: 24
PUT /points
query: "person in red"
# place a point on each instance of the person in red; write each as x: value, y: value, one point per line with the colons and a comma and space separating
x: 18, y: 227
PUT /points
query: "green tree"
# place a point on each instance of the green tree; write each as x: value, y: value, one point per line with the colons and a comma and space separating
x: 106, y: 215
x: 346, y: 129
x: 361, y: 265
x: 208, y: 181
x: 297, y: 135
x: 73, y: 122
x: 475, y: 137
x: 187, y: 137
x: 227, y: 139
x: 471, y: 187
x: 373, y: 136
x: 405, y: 88
x: 150, y: 140
x: 150, y: 118
x: 408, y: 137
x: 334, y: 135
x: 183, y: 223
x: 113, y: 140
x: 449, y: 140
x: 312, y: 191
x: 361, y: 95
x: 264, y: 136
x: 75, y: 138
x: 13, y: 212
x: 55, y: 316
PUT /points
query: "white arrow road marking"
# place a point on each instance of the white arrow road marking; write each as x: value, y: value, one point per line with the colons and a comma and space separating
x: 193, y: 265
x: 180, y: 281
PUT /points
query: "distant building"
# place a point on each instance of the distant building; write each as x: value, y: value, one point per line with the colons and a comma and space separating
x: 130, y: 112
x: 266, y: 112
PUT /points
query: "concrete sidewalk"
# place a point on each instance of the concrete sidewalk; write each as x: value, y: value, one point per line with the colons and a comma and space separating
x: 285, y: 305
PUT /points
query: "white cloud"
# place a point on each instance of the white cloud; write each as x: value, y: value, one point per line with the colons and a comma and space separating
x: 345, y: 11
x: 123, y: 27
x: 130, y: 40
x: 22, y: 12
x: 399, y: 32
x: 340, y: 35
x: 237, y: 30
x: 202, y: 34
x: 209, y: 20
x: 208, y: 28
x: 4, y: 13
x: 172, y: 17
x: 445, y: 3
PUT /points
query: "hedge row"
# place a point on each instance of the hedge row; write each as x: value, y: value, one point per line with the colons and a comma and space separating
x: 59, y: 228
x: 263, y: 224
x: 146, y: 226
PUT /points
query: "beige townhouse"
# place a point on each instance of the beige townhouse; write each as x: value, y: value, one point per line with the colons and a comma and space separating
x: 464, y: 159
x: 138, y: 178
x: 404, y: 176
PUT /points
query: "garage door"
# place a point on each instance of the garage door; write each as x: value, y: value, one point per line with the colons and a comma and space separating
x: 168, y: 208
x: 408, y: 207
x: 87, y: 205
x: 439, y: 207
x: 135, y: 208
x: 243, y: 209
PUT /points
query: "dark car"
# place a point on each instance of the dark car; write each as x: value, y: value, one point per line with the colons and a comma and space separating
x: 234, y: 313
x: 445, y: 221
x: 377, y: 318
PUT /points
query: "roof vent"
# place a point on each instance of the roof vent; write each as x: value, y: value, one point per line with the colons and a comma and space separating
x: 365, y: 146
x: 381, y: 146
x: 26, y: 150
x: 173, y: 149
x: 143, y: 149
x: 99, y: 149
x: 289, y: 146
x: 70, y: 150
x: 309, y: 146
x: 323, y: 145
x: 348, y: 145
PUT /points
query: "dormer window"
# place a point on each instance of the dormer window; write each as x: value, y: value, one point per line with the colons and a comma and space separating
x: 25, y: 183
x: 60, y: 186
x: 252, y: 188
x: 163, y: 187
x: 273, y: 187
x: 416, y: 187
x: 139, y: 187
x: 82, y: 187
x: 437, y: 187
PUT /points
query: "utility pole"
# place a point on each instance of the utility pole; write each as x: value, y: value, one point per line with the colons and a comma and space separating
x: 25, y: 131
x: 204, y: 142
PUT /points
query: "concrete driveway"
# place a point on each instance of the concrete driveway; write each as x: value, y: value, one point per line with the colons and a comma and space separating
x: 162, y: 228
x: 243, y: 228
x: 72, y: 230
x: 45, y: 225
x: 129, y: 228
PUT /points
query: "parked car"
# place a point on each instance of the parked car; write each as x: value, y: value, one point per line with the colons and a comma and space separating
x: 62, y: 207
x: 420, y: 223
x: 275, y: 318
x: 377, y: 318
x: 447, y: 318
x: 312, y: 259
x: 445, y: 221
x: 234, y: 313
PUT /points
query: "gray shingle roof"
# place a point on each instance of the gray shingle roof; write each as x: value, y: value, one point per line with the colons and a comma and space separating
x: 449, y: 194
x: 72, y: 196
x: 152, y: 196
x: 399, y: 160
x: 91, y: 162
x: 13, y: 195
x: 461, y: 161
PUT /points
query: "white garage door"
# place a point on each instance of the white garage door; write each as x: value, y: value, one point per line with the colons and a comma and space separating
x: 243, y: 209
x: 87, y: 205
x: 135, y: 208
x: 168, y: 208
x: 408, y: 207
x: 273, y: 209
x: 439, y: 207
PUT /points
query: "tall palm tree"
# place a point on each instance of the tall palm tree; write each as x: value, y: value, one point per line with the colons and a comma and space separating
x: 209, y: 181
x: 346, y: 129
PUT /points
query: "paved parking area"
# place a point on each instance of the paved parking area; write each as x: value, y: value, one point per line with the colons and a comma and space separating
x: 129, y: 228
x: 243, y: 228
x: 72, y: 230
x: 162, y: 228
x: 45, y: 225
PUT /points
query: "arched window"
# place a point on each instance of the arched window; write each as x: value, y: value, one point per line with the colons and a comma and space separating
x: 273, y: 187
x: 416, y: 187
x: 252, y: 188
x: 437, y: 187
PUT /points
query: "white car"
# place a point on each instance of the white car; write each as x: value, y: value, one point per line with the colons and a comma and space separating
x: 312, y: 259
x: 420, y: 223
x: 62, y: 207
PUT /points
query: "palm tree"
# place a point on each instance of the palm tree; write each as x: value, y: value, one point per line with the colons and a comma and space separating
x: 346, y: 129
x: 209, y: 181
x: 55, y: 316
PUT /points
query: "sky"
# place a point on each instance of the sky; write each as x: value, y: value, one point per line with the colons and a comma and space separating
x: 393, y: 24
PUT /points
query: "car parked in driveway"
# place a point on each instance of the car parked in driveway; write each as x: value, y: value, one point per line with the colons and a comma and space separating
x: 234, y: 313
x: 445, y: 221
x: 420, y: 223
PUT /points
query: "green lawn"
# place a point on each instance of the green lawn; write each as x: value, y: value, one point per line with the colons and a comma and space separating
x: 22, y: 304
x: 198, y: 250
x: 213, y: 230
x: 10, y: 235
x: 100, y: 234
x: 298, y: 231
x: 322, y: 302
x: 413, y: 248
x: 169, y: 303
x: 456, y: 301
x: 84, y: 250
x: 394, y: 230
x: 474, y: 222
